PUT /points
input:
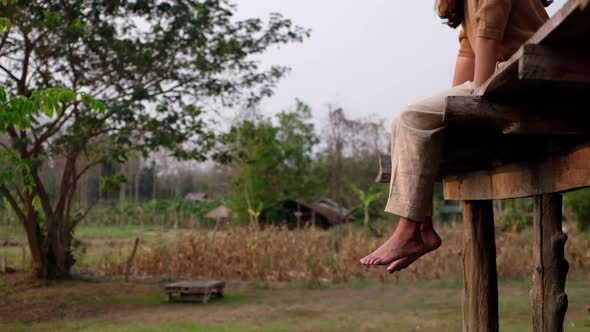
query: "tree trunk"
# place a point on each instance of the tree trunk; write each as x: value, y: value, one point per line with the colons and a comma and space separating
x: 100, y: 192
x: 548, y: 297
x: 136, y: 180
x: 35, y: 240
x: 480, y: 288
x: 52, y: 257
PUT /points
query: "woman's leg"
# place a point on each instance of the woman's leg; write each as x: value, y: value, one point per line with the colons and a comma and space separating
x: 431, y: 242
x: 417, y: 135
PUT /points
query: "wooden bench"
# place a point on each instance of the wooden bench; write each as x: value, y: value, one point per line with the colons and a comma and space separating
x: 195, y: 290
x: 535, y: 113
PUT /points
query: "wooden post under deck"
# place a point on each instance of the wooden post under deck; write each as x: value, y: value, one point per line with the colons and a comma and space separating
x: 549, y: 301
x: 480, y: 285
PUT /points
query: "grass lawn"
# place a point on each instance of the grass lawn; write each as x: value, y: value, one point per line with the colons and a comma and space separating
x: 359, y: 305
x: 356, y: 306
x: 97, y: 242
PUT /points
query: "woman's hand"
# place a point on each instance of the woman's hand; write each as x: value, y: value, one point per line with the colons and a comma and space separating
x: 486, y: 56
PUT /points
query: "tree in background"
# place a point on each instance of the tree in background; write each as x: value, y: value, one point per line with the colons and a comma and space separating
x: 349, y: 155
x: 271, y: 162
x: 579, y: 203
x: 154, y: 64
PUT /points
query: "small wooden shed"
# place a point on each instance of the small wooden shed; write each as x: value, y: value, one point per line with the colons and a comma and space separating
x: 322, y: 213
x: 530, y: 136
x: 196, y: 197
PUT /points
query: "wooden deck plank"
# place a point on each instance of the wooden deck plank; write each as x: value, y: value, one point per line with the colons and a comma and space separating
x: 569, y: 26
x: 542, y: 116
x: 553, y: 174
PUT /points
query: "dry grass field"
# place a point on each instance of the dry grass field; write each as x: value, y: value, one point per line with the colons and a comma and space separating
x: 278, y: 254
x: 278, y: 280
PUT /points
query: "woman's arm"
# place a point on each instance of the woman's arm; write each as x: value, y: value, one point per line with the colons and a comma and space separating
x: 486, y: 56
x: 464, y: 68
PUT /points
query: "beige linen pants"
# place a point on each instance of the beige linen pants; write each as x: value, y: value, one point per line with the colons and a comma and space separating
x: 416, y: 153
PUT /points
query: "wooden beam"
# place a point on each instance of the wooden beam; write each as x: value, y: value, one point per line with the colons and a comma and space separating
x: 480, y: 280
x: 550, y: 174
x: 520, y: 116
x: 549, y: 301
x: 569, y: 23
x: 384, y: 174
x: 543, y: 63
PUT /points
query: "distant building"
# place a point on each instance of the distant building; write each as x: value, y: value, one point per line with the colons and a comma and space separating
x: 324, y: 213
x: 332, y: 204
x: 196, y: 197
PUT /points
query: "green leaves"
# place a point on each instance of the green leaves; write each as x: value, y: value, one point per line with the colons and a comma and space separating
x: 4, y: 24
x: 271, y: 162
x: 52, y: 19
x: 21, y: 112
x: 112, y: 184
x: 78, y: 27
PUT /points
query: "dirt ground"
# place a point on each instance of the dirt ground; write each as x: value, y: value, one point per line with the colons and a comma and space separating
x: 99, y: 305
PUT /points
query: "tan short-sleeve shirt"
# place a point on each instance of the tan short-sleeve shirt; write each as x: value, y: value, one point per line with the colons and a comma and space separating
x: 512, y: 22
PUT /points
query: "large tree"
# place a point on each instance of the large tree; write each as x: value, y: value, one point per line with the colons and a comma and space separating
x: 154, y: 64
x: 271, y: 162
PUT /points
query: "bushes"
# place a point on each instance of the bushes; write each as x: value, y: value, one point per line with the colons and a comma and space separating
x: 162, y: 213
x: 579, y: 203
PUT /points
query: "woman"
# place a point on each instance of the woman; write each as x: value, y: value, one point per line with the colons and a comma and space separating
x: 492, y: 30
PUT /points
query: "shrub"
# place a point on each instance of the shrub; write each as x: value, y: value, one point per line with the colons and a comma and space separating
x: 579, y: 203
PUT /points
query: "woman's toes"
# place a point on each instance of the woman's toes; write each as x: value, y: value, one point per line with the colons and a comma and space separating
x: 393, y: 267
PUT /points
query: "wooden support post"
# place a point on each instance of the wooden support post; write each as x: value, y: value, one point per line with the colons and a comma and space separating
x: 549, y: 301
x: 130, y: 260
x: 480, y: 285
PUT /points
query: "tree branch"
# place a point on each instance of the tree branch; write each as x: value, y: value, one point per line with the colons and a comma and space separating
x: 21, y: 83
x: 9, y: 73
x: 12, y: 202
x: 86, y: 168
x: 4, y: 38
x: 45, y: 200
x: 64, y: 187
x: 73, y: 185
x: 53, y: 129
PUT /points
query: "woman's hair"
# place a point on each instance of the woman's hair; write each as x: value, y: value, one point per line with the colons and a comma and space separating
x: 453, y: 11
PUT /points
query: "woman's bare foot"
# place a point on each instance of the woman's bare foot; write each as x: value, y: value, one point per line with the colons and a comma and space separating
x: 431, y: 242
x: 405, y: 241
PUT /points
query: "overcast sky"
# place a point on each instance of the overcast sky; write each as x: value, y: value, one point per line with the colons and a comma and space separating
x: 369, y: 57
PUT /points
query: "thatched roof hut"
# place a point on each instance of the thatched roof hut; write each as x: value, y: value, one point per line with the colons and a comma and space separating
x: 220, y: 213
x: 322, y: 213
